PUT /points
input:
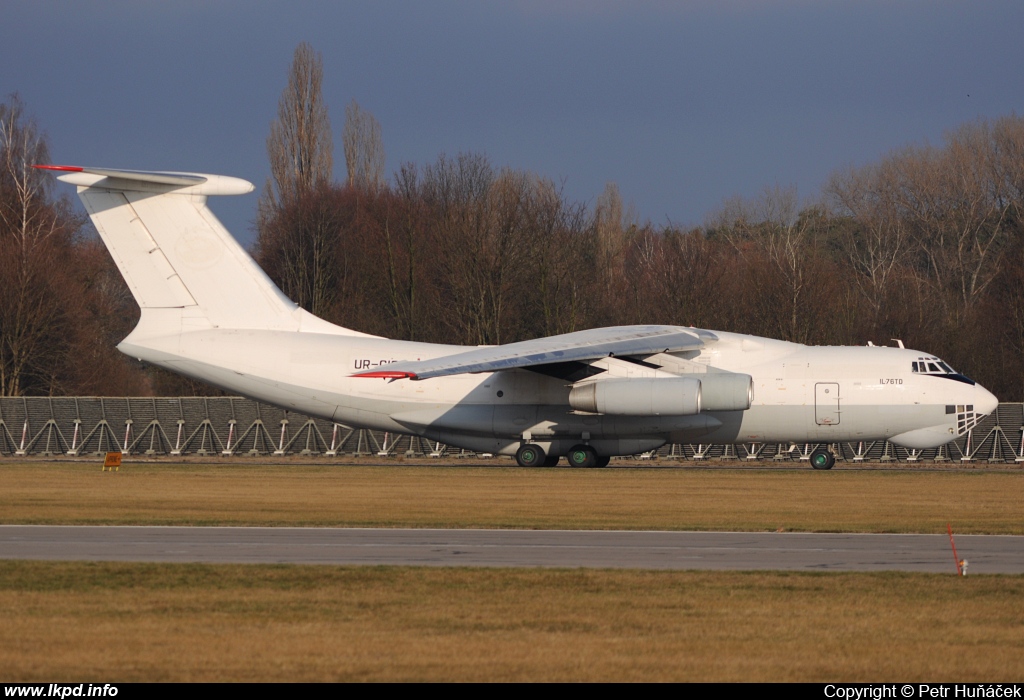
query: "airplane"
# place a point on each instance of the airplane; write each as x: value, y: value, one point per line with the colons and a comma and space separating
x: 209, y: 312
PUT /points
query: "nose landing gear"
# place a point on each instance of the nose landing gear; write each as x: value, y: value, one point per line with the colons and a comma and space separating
x: 822, y: 458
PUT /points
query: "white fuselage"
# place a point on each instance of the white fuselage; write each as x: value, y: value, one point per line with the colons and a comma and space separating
x: 800, y: 393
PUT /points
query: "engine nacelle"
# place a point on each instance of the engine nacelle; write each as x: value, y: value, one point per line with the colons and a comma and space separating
x: 725, y: 391
x: 639, y: 397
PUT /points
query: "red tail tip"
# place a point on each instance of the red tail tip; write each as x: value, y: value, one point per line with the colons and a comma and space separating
x: 63, y: 168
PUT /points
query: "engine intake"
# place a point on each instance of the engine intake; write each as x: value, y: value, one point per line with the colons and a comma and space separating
x: 725, y: 391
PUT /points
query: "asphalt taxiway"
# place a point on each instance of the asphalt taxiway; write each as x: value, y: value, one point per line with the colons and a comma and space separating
x: 535, y: 548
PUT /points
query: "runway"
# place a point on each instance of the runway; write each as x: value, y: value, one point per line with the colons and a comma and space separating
x: 516, y: 548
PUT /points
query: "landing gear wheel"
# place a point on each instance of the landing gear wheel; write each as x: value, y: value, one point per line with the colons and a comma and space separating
x: 822, y: 458
x: 602, y: 461
x: 582, y: 456
x: 551, y: 461
x: 530, y: 456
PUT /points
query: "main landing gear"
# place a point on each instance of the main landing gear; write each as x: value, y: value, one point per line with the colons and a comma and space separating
x: 530, y: 455
x: 822, y: 458
x: 584, y: 456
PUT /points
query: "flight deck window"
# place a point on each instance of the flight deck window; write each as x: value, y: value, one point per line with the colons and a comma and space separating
x: 931, y: 365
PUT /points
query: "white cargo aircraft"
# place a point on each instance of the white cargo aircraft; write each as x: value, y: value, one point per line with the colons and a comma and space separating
x: 210, y: 313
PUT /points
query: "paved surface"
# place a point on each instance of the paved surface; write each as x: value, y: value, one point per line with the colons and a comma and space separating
x: 548, y: 548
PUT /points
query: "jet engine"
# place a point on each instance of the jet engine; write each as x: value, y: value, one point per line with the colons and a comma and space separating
x: 639, y: 397
x: 726, y: 391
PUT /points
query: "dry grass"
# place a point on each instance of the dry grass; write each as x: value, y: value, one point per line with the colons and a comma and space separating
x: 121, y: 622
x: 234, y: 493
x: 161, y: 622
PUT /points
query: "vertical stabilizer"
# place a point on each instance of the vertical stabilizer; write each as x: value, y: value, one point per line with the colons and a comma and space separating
x: 175, y: 254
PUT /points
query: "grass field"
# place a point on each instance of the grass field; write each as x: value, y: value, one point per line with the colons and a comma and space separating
x: 980, y: 501
x: 111, y: 622
x: 149, y: 622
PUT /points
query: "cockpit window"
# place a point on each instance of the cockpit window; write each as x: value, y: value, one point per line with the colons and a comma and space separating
x: 937, y: 368
x: 931, y: 365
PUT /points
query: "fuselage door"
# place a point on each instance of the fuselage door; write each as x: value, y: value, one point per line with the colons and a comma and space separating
x: 826, y: 403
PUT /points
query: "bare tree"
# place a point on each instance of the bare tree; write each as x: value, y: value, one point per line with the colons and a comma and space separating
x: 957, y: 213
x: 298, y: 245
x: 689, y: 279
x: 484, y: 242
x: 774, y: 228
x: 364, y: 149
x: 459, y: 192
x: 559, y: 235
x: 300, y: 147
x: 36, y: 236
x: 877, y: 244
x: 609, y: 222
x: 614, y: 223
x: 1008, y: 165
x: 296, y: 229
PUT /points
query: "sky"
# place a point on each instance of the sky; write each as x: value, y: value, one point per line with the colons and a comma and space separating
x: 682, y: 104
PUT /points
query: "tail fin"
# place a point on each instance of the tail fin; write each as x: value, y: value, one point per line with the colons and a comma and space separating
x: 174, y: 253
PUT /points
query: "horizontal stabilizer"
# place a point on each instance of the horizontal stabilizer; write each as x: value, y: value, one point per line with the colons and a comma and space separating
x: 581, y: 345
x: 150, y: 180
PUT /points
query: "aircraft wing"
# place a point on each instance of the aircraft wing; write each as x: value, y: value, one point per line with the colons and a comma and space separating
x: 581, y: 345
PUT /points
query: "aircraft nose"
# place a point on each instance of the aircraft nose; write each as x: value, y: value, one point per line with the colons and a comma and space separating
x: 985, y: 401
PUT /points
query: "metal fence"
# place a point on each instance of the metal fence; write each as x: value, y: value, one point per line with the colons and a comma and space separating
x: 76, y: 426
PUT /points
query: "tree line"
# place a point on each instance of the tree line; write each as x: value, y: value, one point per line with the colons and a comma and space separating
x: 924, y: 245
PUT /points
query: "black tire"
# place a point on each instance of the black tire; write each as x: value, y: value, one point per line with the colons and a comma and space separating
x: 602, y: 462
x: 530, y: 456
x: 551, y: 461
x: 582, y: 456
x: 822, y: 459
